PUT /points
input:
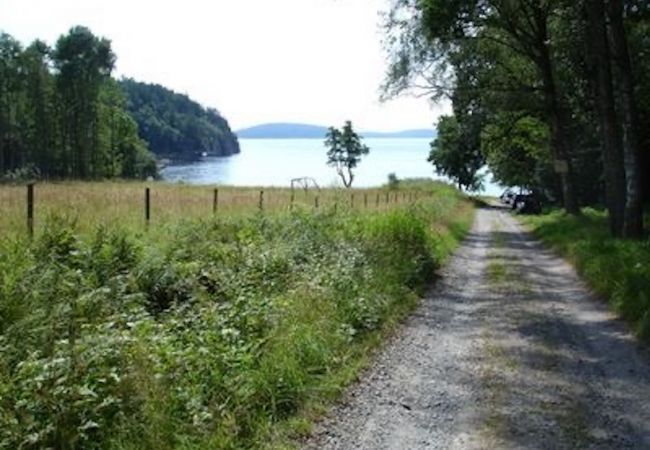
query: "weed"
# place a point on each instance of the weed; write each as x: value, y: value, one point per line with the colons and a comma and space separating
x: 213, y: 332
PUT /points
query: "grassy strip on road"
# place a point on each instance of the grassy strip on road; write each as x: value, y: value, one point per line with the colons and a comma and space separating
x: 222, y: 332
x: 618, y: 270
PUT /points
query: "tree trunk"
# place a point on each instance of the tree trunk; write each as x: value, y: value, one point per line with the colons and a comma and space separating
x: 633, y: 215
x: 558, y: 126
x: 608, y: 125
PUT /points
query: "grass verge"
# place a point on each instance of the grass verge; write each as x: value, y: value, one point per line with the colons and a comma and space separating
x: 618, y: 270
x: 226, y: 332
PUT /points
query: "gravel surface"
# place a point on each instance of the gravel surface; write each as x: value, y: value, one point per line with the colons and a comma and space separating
x: 510, y: 350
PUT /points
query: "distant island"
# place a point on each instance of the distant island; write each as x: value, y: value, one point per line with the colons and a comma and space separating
x: 306, y: 131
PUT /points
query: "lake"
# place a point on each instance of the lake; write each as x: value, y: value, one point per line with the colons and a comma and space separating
x: 274, y: 162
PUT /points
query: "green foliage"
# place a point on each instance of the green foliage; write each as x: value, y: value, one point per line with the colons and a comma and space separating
x: 344, y: 151
x: 393, y: 181
x: 457, y: 154
x: 503, y: 61
x: 175, y: 126
x: 62, y: 116
x: 517, y: 151
x: 618, y: 270
x: 212, y: 334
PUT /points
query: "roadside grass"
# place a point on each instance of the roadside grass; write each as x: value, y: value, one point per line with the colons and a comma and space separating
x: 619, y: 270
x: 226, y: 331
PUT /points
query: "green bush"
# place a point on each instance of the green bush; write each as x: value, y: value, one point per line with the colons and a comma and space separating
x: 207, y: 334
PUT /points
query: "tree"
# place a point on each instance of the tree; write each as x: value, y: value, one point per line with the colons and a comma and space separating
x: 454, y: 156
x: 83, y: 63
x: 425, y: 37
x: 40, y: 117
x: 633, y: 216
x: 344, y: 151
x: 517, y: 151
x: 174, y: 125
x: 62, y: 115
x: 608, y: 124
x: 12, y: 148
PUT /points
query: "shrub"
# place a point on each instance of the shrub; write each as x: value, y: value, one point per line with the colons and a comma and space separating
x: 208, y: 335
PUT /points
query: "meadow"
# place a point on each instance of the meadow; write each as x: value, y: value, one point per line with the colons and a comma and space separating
x: 232, y: 329
x: 123, y: 202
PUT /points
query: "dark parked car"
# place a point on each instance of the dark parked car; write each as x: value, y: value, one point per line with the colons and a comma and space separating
x: 526, y: 204
x: 507, y: 197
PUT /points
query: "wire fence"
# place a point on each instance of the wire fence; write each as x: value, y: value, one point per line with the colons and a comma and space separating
x: 145, y: 205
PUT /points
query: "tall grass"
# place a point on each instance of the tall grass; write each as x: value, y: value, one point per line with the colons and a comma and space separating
x: 213, y: 332
x: 619, y: 270
x: 122, y: 203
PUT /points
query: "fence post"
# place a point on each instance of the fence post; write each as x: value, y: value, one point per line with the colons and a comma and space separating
x: 377, y: 200
x: 365, y: 200
x: 215, y: 201
x: 30, y: 209
x: 351, y: 201
x: 387, y: 197
x: 316, y: 202
x: 261, y: 205
x: 293, y: 198
x: 147, y: 206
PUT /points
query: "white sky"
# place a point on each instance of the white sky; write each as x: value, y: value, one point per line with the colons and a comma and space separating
x: 257, y: 61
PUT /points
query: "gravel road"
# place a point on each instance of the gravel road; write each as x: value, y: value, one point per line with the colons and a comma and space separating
x: 510, y: 350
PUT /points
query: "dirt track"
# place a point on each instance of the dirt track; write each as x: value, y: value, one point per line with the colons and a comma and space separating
x: 509, y: 351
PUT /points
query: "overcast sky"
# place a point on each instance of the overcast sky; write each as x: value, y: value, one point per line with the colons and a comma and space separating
x: 257, y: 61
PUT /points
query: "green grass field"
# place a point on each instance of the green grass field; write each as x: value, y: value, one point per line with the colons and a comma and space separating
x: 231, y: 331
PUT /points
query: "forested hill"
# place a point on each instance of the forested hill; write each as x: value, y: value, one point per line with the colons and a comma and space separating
x: 174, y: 125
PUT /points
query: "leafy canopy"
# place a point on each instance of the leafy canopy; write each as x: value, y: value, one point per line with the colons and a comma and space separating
x: 344, y: 151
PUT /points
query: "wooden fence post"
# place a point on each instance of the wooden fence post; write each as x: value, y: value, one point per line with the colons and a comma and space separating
x: 365, y: 200
x: 293, y: 198
x: 30, y: 209
x: 351, y: 201
x: 261, y: 205
x: 147, y: 206
x: 215, y: 201
x: 377, y: 200
x: 316, y: 202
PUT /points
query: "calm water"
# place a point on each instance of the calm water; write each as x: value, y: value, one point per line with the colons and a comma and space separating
x: 274, y: 162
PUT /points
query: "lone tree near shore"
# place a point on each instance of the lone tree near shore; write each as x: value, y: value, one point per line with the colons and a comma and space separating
x: 344, y: 151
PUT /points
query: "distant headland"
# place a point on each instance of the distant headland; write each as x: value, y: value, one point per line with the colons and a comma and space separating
x: 306, y: 131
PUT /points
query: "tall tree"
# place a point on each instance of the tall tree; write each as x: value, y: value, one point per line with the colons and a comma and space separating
x: 612, y: 152
x: 456, y: 154
x: 633, y: 216
x: 41, y: 128
x: 12, y: 149
x: 83, y: 62
x: 425, y: 34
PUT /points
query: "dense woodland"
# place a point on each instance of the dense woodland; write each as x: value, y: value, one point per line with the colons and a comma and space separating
x: 554, y: 95
x: 174, y: 125
x: 62, y: 115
